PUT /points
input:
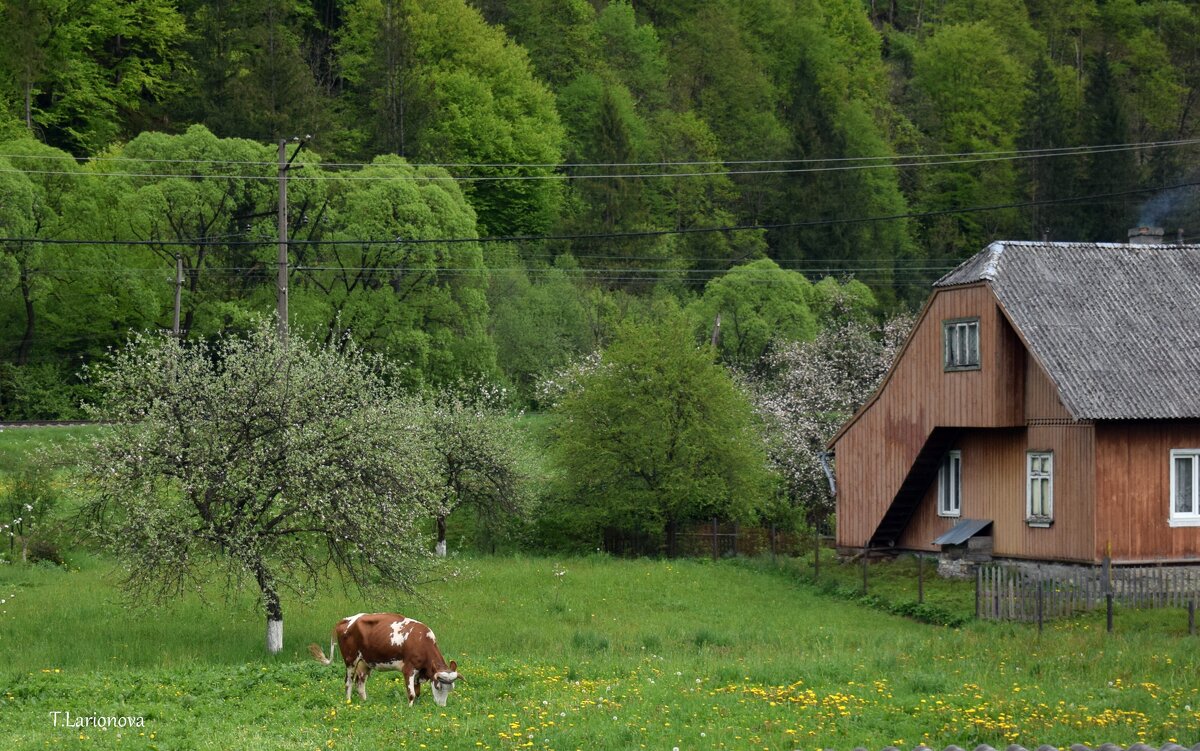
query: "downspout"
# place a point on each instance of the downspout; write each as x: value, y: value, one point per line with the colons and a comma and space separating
x: 825, y: 456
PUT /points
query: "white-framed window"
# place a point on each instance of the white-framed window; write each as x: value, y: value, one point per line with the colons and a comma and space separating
x: 1185, y: 488
x: 1039, y: 488
x: 960, y: 344
x: 950, y: 485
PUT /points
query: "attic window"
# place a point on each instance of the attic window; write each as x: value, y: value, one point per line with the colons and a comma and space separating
x: 960, y: 344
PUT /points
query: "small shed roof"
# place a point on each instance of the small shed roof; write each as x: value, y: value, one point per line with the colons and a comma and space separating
x: 963, y: 531
x: 1116, y: 327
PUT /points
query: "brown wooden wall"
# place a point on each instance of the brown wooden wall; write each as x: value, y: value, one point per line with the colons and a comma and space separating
x: 1133, y: 486
x: 1041, y: 395
x: 874, y: 453
x: 993, y: 487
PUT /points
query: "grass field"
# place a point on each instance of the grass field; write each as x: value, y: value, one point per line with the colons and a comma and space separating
x: 585, y: 653
x: 608, y: 655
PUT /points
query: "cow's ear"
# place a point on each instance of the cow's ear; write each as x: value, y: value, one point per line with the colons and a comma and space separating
x: 454, y: 666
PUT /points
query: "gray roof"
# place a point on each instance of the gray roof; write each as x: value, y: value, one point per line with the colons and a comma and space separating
x: 1116, y: 327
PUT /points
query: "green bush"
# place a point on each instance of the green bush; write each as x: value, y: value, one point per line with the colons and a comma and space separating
x: 26, y: 506
x: 46, y: 391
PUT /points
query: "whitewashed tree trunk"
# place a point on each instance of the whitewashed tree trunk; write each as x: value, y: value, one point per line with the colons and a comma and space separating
x: 274, y: 610
x: 274, y: 636
x: 440, y: 549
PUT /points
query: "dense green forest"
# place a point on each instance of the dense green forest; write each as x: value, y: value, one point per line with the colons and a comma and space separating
x: 492, y: 188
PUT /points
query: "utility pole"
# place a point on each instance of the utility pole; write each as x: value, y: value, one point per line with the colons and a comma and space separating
x: 285, y: 164
x: 178, y: 293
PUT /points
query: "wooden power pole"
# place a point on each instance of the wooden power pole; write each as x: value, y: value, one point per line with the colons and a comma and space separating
x: 282, y: 283
x: 285, y: 164
x: 178, y: 293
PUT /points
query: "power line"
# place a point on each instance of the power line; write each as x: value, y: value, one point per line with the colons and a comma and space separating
x: 611, y: 235
x: 1075, y: 151
x: 1061, y: 150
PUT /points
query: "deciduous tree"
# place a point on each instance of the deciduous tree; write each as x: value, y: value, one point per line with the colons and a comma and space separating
x: 470, y: 437
x: 273, y: 463
x: 754, y: 304
x: 656, y: 435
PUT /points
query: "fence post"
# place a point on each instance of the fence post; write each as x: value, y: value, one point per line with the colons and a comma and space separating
x: 816, y: 554
x: 920, y: 578
x: 1039, y: 604
x: 978, y: 591
x: 772, y: 542
x: 714, y: 538
x: 864, y: 568
x: 1192, y: 616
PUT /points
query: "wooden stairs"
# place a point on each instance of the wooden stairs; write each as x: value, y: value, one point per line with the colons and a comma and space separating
x: 921, y: 473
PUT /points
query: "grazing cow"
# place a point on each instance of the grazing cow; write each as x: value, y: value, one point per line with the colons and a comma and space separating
x: 387, y: 641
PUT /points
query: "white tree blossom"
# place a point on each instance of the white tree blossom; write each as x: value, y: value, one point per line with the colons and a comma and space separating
x: 806, y: 390
x: 474, y: 451
x: 270, y: 462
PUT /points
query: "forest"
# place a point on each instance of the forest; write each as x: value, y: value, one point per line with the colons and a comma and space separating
x: 489, y: 190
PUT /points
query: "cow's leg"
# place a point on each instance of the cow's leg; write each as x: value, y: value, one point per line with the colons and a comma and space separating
x: 413, y: 684
x: 361, y: 671
x: 349, y: 680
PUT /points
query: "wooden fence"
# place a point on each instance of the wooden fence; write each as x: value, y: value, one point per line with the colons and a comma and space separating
x: 713, y: 539
x: 1029, y: 593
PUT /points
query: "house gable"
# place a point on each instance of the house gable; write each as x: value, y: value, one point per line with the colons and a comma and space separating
x: 877, y: 451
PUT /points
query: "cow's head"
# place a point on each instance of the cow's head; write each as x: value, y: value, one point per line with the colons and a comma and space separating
x: 443, y: 683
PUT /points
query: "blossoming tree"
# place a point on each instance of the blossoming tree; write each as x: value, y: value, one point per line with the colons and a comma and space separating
x: 269, y: 462
x: 804, y: 391
x: 475, y: 454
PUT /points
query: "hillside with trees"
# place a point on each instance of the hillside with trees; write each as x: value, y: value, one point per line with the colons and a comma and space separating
x: 497, y: 191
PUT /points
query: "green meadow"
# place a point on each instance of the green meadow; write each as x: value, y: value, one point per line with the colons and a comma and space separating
x: 584, y: 653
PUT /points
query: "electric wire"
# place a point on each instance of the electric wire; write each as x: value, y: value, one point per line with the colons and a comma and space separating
x: 1051, y: 151
x: 612, y: 235
x: 335, y: 177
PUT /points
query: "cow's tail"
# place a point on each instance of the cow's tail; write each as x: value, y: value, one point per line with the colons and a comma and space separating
x: 319, y: 656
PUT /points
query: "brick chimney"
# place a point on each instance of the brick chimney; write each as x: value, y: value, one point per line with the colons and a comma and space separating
x: 1146, y: 236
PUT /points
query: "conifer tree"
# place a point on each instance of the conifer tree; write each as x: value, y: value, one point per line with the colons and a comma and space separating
x: 1046, y: 124
x: 1106, y: 172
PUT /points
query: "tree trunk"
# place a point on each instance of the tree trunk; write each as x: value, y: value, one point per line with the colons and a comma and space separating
x: 274, y: 611
x: 26, y: 345
x: 441, y: 530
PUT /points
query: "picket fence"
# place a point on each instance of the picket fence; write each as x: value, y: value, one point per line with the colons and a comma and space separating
x: 1030, y: 593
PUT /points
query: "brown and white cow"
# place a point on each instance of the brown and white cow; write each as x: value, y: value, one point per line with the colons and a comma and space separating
x: 387, y: 641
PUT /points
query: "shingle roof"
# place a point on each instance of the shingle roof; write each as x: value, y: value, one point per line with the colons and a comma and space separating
x: 1117, y: 327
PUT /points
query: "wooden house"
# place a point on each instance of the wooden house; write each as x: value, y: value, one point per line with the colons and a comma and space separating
x: 1048, y: 398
